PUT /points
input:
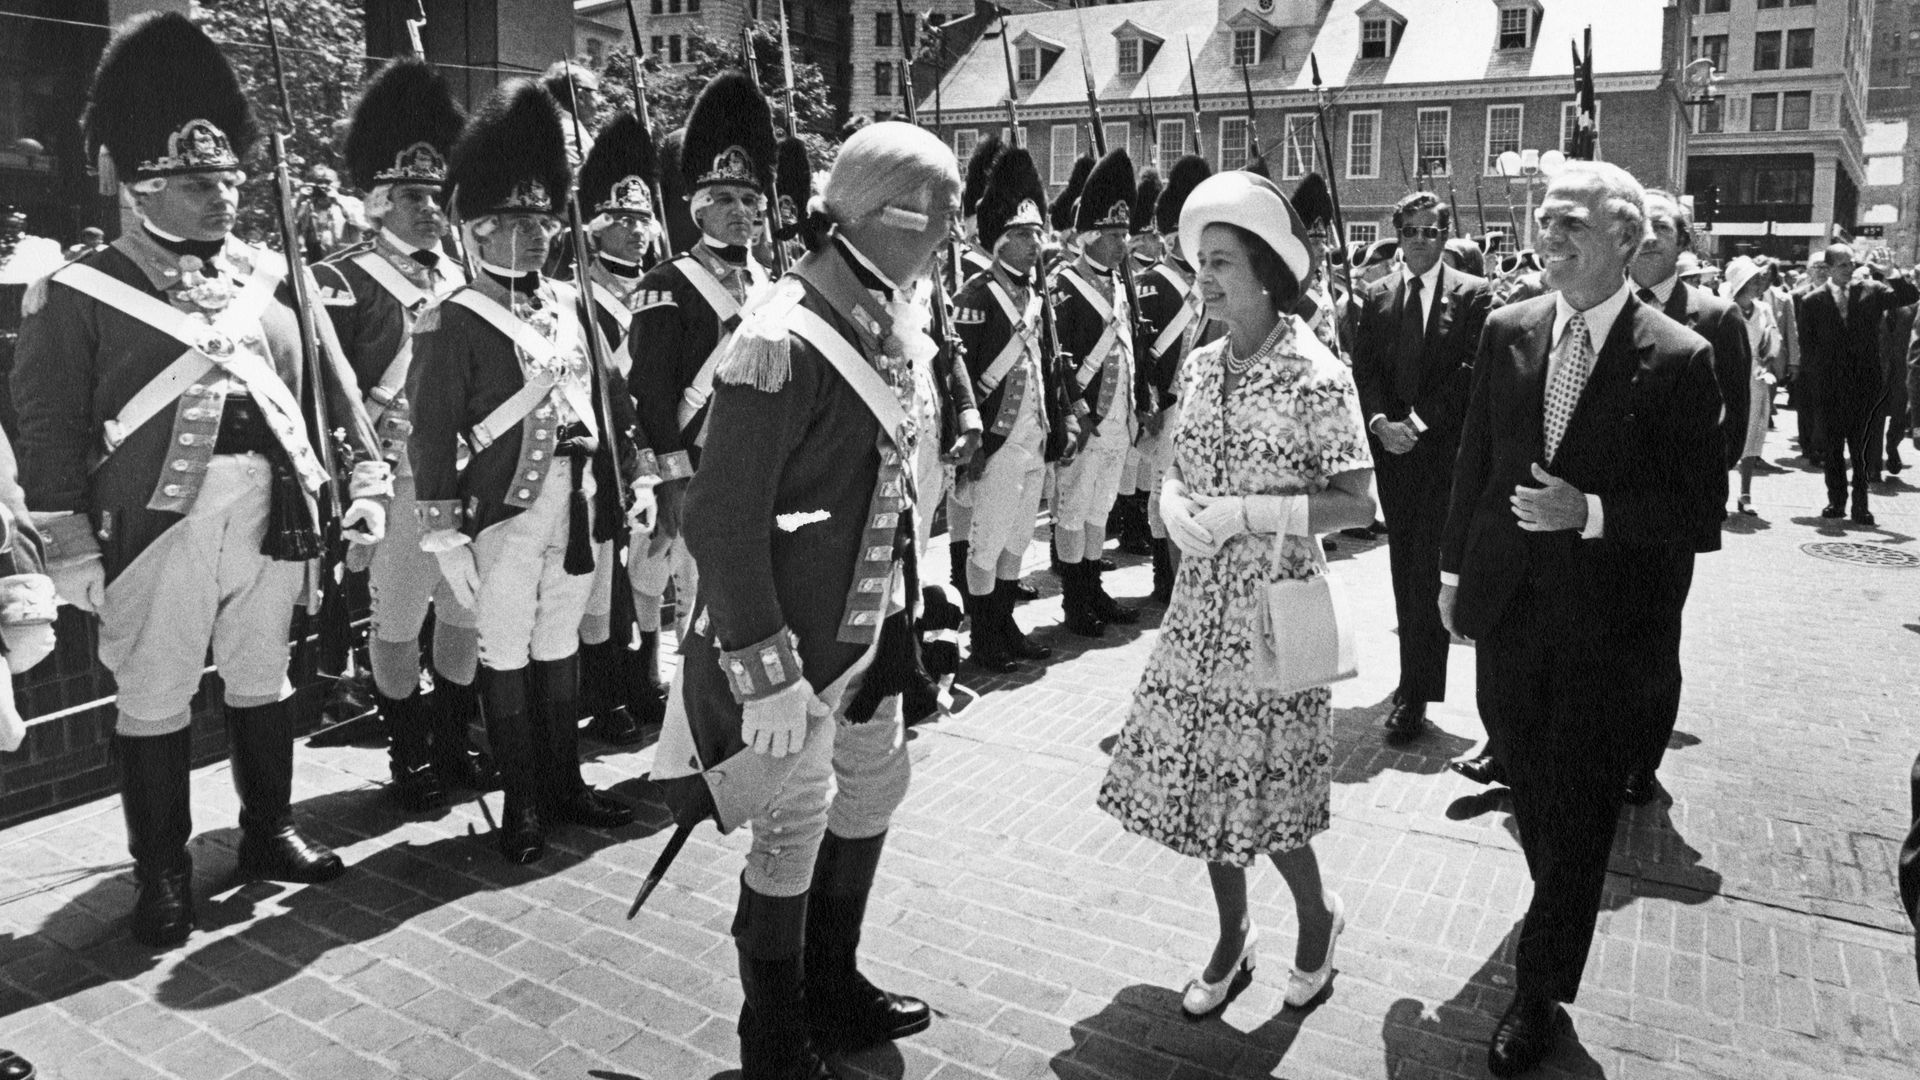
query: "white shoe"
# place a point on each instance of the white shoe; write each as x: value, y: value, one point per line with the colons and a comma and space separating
x: 1202, y: 997
x: 1304, y: 986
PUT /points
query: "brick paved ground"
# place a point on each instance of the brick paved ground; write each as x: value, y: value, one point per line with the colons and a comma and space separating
x: 1752, y: 929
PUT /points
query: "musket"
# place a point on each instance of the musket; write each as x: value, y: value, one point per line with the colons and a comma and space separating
x: 1153, y: 131
x: 1049, y: 323
x: 414, y: 26
x: 1453, y: 201
x: 1333, y: 192
x: 1480, y: 203
x: 1253, y: 127
x: 786, y: 74
x: 769, y: 222
x: 1193, y: 88
x: 1013, y: 86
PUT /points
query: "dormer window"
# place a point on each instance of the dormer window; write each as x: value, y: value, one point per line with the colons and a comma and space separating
x: 1137, y: 47
x: 1373, y: 39
x: 1246, y: 47
x: 1029, y: 65
x: 1035, y: 56
x: 1380, y: 31
x: 1519, y: 25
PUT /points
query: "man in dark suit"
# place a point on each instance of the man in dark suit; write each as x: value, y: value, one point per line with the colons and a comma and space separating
x: 1591, y: 454
x: 1840, y: 326
x: 1656, y: 281
x: 1413, y: 364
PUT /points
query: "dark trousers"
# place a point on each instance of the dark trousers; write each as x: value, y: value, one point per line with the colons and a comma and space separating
x: 1413, y: 498
x: 1849, y: 433
x: 1663, y: 673
x: 1560, y: 706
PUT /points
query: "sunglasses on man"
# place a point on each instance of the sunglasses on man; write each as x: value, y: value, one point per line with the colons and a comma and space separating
x: 1419, y: 232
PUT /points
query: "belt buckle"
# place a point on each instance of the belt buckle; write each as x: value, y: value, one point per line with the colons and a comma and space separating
x: 217, y: 345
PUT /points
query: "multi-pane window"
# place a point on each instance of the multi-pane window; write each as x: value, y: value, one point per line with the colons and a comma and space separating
x: 1570, y: 118
x: 1246, y: 48
x: 883, y: 28
x: 1503, y: 133
x: 1173, y: 143
x: 1300, y: 154
x: 1764, y: 5
x: 1765, y: 115
x: 673, y: 48
x: 1374, y: 38
x: 1709, y: 117
x: 1713, y: 7
x: 1711, y: 47
x: 1233, y: 142
x: 1363, y: 232
x: 659, y: 45
x: 1119, y: 136
x: 1796, y: 110
x: 1363, y: 144
x: 1432, y: 132
x: 693, y: 6
x: 1516, y: 28
x: 1800, y: 48
x: 1766, y: 50
x: 1066, y: 147
x: 964, y: 140
x: 673, y: 7
x: 1029, y: 64
x: 1129, y: 56
x: 906, y: 30
x: 883, y: 78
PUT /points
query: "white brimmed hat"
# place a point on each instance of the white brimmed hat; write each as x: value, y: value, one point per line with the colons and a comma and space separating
x: 1740, y: 270
x: 1252, y: 202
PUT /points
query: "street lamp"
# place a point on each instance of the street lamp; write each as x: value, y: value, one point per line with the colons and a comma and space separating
x: 1528, y: 165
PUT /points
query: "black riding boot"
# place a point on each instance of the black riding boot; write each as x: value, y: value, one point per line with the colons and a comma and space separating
x: 260, y: 743
x: 602, y: 695
x: 647, y: 695
x: 1163, y: 571
x: 1105, y: 607
x: 1076, y: 601
x: 155, y: 792
x: 987, y: 637
x: 957, y: 553
x: 416, y: 784
x: 1017, y: 644
x: 844, y: 1010
x: 451, y: 710
x: 769, y: 932
x: 568, y: 798
x: 522, y: 835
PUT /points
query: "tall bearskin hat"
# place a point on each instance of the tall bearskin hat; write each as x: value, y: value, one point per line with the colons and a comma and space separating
x: 165, y: 102
x: 1312, y: 200
x: 682, y: 233
x: 620, y: 171
x: 978, y: 166
x: 1185, y: 175
x: 403, y: 127
x: 793, y: 188
x: 1107, y: 200
x: 1013, y: 195
x: 1061, y: 212
x: 1144, y: 197
x: 512, y: 157
x: 729, y: 136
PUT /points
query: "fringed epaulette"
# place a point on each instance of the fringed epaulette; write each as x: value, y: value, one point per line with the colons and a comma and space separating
x: 36, y: 296
x: 428, y: 320
x: 761, y: 355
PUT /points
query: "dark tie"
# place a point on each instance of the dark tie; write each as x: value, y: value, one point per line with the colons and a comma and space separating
x: 734, y: 254
x: 1413, y: 339
x: 425, y: 257
x: 1647, y: 296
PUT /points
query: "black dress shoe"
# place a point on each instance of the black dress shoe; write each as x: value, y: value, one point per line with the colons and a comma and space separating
x: 588, y: 807
x: 1406, y: 721
x: 1862, y: 517
x: 863, y: 1015
x: 285, y: 855
x: 1834, y: 510
x: 15, y: 1067
x: 1023, y: 592
x: 1524, y: 1036
x: 616, y: 727
x: 1484, y: 769
x: 1642, y: 788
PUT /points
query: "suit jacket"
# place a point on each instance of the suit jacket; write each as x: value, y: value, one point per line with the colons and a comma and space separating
x: 1644, y: 437
x: 1842, y: 354
x: 1721, y: 323
x: 1444, y: 371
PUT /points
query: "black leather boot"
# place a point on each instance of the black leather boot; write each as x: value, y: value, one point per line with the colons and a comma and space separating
x: 15, y: 1067
x: 451, y: 710
x: 602, y: 696
x: 957, y: 553
x: 260, y: 744
x: 987, y: 646
x: 1076, y: 602
x: 646, y: 694
x: 566, y: 794
x: 416, y: 784
x: 1106, y: 607
x: 155, y: 793
x: 1162, y: 571
x: 844, y: 1010
x: 769, y: 932
x: 522, y: 833
x: 1136, y: 538
x: 1017, y: 644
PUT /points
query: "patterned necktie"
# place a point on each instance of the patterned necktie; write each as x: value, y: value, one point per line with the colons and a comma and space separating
x: 1576, y: 360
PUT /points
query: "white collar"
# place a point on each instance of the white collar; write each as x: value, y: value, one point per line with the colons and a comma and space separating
x: 609, y: 258
x: 164, y: 234
x: 894, y: 288
x: 393, y: 240
x: 1430, y: 280
x: 1600, y: 317
x: 1663, y: 290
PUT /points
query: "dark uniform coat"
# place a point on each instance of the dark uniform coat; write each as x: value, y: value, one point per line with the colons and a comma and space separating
x: 980, y: 322
x: 675, y: 330
x: 1080, y: 327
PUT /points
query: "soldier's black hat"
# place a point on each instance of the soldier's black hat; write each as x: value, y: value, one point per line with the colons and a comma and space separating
x: 978, y: 166
x: 166, y: 102
x: 1061, y: 212
x: 793, y: 182
x: 512, y: 157
x: 620, y: 171
x: 682, y: 233
x: 1144, y: 197
x: 403, y: 127
x: 1013, y: 195
x: 1312, y: 199
x: 1185, y: 175
x: 729, y: 136
x: 1107, y: 200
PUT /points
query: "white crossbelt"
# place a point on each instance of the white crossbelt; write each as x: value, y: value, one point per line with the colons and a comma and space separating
x: 410, y: 297
x: 543, y: 353
x: 1090, y: 365
x: 726, y: 308
x: 1189, y: 307
x: 1024, y: 328
x: 874, y: 392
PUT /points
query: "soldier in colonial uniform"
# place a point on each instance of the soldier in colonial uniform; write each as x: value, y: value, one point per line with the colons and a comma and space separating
x: 1144, y: 248
x: 396, y: 148
x: 1096, y: 347
x: 689, y: 307
x: 976, y: 256
x: 619, y: 689
x: 166, y: 460
x: 503, y: 366
x: 1171, y: 324
x: 800, y: 517
x: 999, y: 321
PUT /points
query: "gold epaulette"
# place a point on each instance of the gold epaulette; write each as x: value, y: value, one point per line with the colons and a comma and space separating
x: 36, y: 296
x: 761, y: 354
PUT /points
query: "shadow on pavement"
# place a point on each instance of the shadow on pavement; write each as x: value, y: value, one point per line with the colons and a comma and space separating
x: 1362, y: 752
x: 1142, y: 1032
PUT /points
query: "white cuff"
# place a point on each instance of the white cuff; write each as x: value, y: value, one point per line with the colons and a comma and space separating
x: 439, y: 540
x: 1284, y: 515
x: 1449, y: 578
x: 1596, y: 521
x: 1374, y: 419
x: 1419, y: 425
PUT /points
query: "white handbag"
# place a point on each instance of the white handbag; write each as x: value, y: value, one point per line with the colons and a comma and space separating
x: 1306, y: 631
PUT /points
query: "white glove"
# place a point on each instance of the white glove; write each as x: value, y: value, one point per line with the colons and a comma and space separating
x: 82, y: 583
x: 457, y: 565
x: 777, y: 724
x: 13, y: 730
x: 26, y: 646
x: 641, y: 514
x: 369, y: 512
x: 1222, y: 517
x: 1176, y: 510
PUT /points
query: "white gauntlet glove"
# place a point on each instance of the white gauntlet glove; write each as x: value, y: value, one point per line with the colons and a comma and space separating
x: 1222, y: 517
x: 777, y: 724
x: 365, y: 522
x: 457, y: 565
x: 1176, y: 510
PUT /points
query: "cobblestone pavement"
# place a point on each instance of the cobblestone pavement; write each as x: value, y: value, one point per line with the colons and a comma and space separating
x: 1752, y: 928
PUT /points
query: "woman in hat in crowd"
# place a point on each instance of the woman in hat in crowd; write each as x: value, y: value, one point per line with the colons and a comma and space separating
x: 1746, y: 282
x: 1271, y: 452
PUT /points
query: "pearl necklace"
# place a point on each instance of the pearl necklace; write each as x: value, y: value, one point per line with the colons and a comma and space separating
x: 1241, y: 365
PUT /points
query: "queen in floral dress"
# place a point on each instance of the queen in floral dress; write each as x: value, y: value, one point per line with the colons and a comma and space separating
x: 1271, y: 452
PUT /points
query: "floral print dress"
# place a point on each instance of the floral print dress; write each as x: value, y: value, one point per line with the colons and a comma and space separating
x: 1208, y: 763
